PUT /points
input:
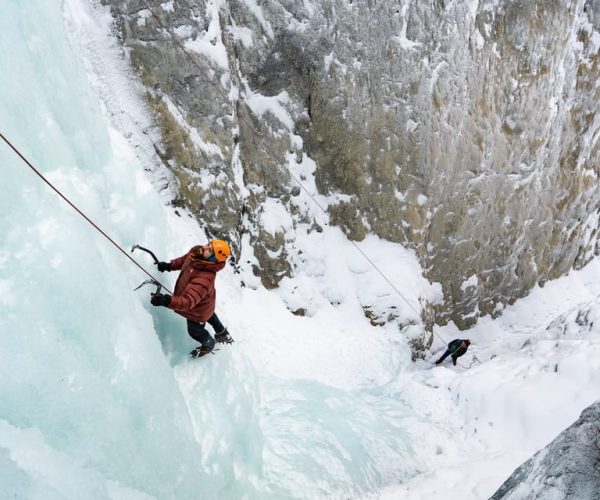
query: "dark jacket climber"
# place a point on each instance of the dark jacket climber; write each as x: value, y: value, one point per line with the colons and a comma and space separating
x: 194, y: 297
x: 456, y: 349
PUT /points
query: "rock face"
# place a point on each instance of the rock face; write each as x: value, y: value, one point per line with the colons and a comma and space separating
x: 467, y: 130
x: 568, y: 468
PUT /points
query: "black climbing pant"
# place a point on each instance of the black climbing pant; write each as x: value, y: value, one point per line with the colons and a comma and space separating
x: 200, y: 334
x: 444, y: 356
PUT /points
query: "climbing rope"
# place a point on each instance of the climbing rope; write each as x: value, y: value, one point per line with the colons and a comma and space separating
x: 91, y: 222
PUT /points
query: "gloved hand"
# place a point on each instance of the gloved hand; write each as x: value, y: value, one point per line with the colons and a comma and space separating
x: 160, y: 299
x: 164, y: 266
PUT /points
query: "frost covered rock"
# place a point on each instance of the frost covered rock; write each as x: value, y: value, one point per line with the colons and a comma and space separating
x: 466, y: 130
x: 568, y: 468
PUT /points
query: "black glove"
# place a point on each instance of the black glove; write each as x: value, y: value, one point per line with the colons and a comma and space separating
x: 160, y: 299
x: 164, y: 266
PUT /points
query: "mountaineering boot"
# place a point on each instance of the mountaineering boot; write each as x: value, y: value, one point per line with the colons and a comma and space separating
x: 223, y: 337
x: 199, y: 352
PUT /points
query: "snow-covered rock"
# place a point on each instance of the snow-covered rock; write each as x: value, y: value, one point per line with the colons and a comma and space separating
x: 568, y: 468
x: 465, y: 130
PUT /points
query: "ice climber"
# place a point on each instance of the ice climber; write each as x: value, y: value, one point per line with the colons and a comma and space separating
x: 195, y: 296
x: 456, y: 349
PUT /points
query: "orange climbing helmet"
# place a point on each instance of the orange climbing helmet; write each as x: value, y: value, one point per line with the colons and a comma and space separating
x: 221, y: 250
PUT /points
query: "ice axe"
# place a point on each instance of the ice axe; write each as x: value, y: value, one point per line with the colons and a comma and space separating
x: 150, y: 282
x: 134, y: 247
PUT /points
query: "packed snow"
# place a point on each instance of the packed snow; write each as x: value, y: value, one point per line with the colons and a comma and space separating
x: 98, y: 398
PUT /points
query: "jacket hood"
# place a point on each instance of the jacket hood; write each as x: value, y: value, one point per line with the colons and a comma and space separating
x: 204, y: 265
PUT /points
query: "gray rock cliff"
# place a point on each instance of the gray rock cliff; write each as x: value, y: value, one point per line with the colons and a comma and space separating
x: 567, y: 469
x: 466, y: 130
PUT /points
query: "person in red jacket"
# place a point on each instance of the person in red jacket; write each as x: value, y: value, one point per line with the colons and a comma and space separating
x: 194, y: 297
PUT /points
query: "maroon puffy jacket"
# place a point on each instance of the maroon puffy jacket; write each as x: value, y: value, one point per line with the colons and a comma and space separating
x: 195, y: 294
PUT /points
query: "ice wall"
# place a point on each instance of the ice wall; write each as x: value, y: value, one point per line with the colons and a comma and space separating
x: 89, y: 407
